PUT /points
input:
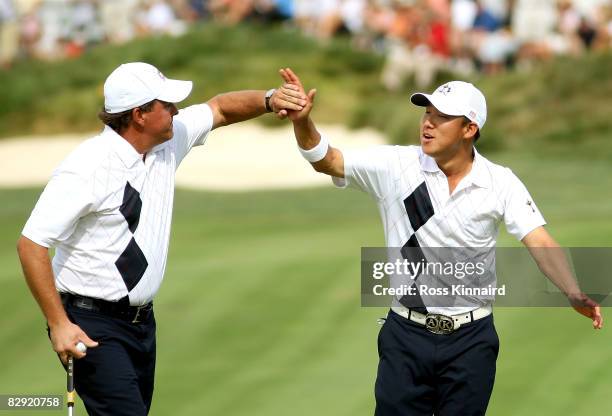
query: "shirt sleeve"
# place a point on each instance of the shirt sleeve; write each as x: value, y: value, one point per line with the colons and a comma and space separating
x: 521, y: 215
x: 368, y: 170
x: 191, y: 128
x: 66, y: 198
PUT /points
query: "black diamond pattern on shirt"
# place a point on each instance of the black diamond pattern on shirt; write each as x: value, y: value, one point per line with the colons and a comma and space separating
x: 412, y: 250
x: 132, y: 263
x: 131, y: 206
x: 419, y: 209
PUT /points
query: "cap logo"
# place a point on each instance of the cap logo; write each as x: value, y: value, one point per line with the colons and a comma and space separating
x: 445, y: 89
x: 472, y: 114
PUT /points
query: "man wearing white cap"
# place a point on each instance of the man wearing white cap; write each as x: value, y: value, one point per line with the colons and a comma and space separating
x: 107, y: 212
x: 439, y: 359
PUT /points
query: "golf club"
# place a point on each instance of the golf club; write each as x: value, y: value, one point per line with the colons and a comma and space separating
x: 70, y: 386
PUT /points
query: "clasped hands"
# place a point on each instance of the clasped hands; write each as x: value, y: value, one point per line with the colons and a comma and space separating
x: 291, y: 100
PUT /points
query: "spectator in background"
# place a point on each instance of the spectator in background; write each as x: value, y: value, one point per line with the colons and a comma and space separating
x: 589, y: 8
x: 311, y: 16
x: 158, y: 18
x: 53, y: 19
x: 418, y: 45
x: 191, y: 11
x: 419, y: 37
x: 532, y: 20
x: 268, y: 11
x: 231, y: 12
x: 439, y: 29
x: 568, y: 24
x: 234, y: 11
x: 117, y: 18
x: 538, y: 29
x: 604, y: 19
x: 500, y: 9
x: 351, y: 14
x: 493, y: 44
x: 30, y: 31
x: 485, y: 20
x: 586, y: 32
x: 82, y: 28
x: 325, y: 18
x: 9, y: 33
x: 463, y: 14
x: 284, y: 9
x: 377, y: 18
x: 568, y: 17
x: 440, y: 8
x: 496, y: 50
x: 571, y: 34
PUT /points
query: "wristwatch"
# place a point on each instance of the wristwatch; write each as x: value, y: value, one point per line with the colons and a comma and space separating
x: 269, y: 94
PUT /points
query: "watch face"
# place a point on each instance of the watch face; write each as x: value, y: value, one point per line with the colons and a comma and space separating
x: 269, y: 94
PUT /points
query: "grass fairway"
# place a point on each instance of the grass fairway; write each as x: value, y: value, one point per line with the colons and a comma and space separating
x: 260, y: 312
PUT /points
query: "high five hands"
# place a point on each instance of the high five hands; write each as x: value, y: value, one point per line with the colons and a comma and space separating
x: 294, y: 89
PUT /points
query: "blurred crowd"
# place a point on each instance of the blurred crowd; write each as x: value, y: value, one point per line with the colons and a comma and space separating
x: 418, y: 37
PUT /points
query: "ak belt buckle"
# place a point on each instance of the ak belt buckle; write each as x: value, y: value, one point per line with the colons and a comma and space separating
x: 439, y: 324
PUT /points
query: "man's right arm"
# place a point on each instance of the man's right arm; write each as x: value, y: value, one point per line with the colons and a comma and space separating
x: 39, y: 277
x: 305, y: 130
x: 308, y: 138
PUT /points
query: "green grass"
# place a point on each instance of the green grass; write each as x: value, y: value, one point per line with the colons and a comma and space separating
x: 559, y: 108
x: 260, y: 312
x: 43, y: 97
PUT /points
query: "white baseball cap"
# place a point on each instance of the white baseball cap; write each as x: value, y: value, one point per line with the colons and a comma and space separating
x: 456, y: 98
x: 137, y: 83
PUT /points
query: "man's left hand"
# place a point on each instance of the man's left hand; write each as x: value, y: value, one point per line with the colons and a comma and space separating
x: 586, y: 306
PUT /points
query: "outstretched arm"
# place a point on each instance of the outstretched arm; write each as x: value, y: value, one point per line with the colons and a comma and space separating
x: 551, y: 260
x: 237, y: 106
x: 305, y: 130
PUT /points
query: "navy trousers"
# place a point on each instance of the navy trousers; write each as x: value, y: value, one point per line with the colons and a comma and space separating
x: 115, y: 378
x: 425, y: 374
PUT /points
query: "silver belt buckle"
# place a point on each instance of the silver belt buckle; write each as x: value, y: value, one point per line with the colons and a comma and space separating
x: 439, y: 324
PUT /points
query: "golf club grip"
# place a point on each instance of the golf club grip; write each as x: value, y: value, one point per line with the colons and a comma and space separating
x: 70, y: 382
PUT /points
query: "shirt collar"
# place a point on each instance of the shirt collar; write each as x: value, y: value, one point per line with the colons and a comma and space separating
x: 478, y: 176
x: 126, y: 152
x: 428, y: 163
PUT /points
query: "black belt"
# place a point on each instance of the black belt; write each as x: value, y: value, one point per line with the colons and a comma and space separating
x: 121, y: 309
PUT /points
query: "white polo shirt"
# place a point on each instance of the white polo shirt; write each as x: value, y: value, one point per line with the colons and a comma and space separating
x: 413, y: 199
x: 108, y: 213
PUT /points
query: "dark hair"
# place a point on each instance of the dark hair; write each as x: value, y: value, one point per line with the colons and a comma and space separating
x: 467, y: 121
x: 120, y: 121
